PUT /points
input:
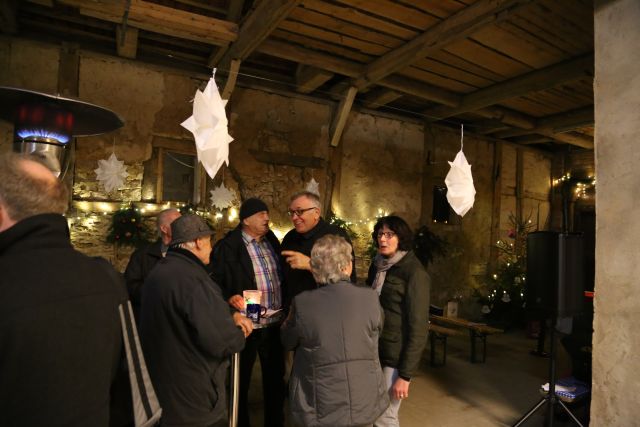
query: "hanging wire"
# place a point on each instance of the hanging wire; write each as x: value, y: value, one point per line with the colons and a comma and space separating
x: 417, y: 114
x: 178, y: 161
x: 461, y: 136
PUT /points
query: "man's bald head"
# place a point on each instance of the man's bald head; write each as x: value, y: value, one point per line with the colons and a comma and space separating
x: 28, y: 188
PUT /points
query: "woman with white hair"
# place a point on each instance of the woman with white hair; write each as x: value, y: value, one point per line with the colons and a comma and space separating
x: 336, y: 378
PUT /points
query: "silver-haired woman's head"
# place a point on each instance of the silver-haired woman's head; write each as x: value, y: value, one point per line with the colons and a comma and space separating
x: 331, y: 260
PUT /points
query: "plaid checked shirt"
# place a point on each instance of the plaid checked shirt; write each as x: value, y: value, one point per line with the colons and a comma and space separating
x: 266, y: 269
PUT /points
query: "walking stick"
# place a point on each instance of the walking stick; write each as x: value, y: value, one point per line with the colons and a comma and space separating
x: 235, y: 390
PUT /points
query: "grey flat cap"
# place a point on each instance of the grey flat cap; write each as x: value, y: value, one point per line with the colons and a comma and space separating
x: 188, y: 228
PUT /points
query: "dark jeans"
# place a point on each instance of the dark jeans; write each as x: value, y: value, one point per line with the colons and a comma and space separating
x: 264, y: 343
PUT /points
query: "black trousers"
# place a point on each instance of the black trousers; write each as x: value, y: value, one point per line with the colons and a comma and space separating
x: 263, y: 343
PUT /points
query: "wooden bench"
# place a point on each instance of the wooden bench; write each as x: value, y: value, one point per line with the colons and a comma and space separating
x: 439, y: 334
x: 477, y: 331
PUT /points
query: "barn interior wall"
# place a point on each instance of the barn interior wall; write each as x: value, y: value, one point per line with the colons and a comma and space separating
x: 386, y: 164
x: 616, y: 343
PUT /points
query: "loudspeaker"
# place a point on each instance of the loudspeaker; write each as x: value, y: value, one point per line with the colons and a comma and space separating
x: 440, y: 212
x: 555, y: 273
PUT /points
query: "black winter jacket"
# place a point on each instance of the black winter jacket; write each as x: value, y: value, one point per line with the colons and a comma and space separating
x: 336, y: 378
x: 187, y: 336
x: 140, y: 264
x: 60, y: 338
x: 231, y: 265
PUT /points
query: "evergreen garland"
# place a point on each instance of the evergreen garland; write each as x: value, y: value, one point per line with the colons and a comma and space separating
x: 127, y: 228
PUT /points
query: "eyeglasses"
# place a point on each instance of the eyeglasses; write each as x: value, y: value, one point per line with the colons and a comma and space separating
x: 387, y: 234
x: 299, y: 212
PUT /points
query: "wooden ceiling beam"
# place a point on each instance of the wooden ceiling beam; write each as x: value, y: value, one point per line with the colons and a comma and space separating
x: 534, y: 81
x: 557, y: 123
x: 8, y: 12
x: 127, y: 42
x: 256, y: 28
x: 160, y: 19
x: 342, y: 113
x: 420, y: 89
x: 379, y: 97
x: 459, y: 26
x: 309, y: 78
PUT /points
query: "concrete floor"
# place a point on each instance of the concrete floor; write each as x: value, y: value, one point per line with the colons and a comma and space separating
x: 495, y: 393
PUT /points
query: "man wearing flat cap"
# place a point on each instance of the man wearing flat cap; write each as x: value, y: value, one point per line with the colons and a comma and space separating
x: 247, y: 259
x: 187, y: 330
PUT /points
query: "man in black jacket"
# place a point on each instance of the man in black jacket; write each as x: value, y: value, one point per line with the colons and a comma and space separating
x: 309, y: 226
x: 187, y: 330
x: 248, y: 259
x: 145, y: 258
x: 60, y: 339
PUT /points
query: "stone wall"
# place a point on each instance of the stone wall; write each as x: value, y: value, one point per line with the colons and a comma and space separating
x: 382, y: 165
x: 616, y: 342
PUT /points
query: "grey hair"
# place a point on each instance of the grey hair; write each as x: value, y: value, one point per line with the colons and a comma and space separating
x: 329, y: 256
x: 24, y: 195
x: 313, y: 197
x: 187, y: 245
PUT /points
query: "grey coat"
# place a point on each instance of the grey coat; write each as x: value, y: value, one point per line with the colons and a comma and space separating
x: 336, y: 378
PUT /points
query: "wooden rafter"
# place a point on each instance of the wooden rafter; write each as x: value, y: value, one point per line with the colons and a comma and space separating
x: 309, y: 78
x: 454, y: 28
x: 556, y: 123
x: 256, y: 27
x: 544, y: 78
x: 160, y: 19
x: 342, y: 113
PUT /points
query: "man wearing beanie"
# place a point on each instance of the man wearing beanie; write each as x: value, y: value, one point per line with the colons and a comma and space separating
x: 248, y: 259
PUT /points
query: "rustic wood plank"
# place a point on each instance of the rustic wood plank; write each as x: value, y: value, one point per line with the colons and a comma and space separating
x: 478, y: 54
x: 421, y: 90
x: 161, y: 19
x: 232, y: 77
x: 256, y: 27
x: 355, y: 16
x: 393, y: 11
x: 457, y: 27
x: 439, y: 8
x: 321, y: 60
x: 341, y: 51
x: 461, y: 63
x: 379, y: 97
x: 474, y: 81
x: 333, y: 38
x: 338, y: 26
x: 436, y: 79
x: 563, y: 122
x: 519, y: 86
x: 342, y: 113
x: 309, y: 79
x: 127, y: 42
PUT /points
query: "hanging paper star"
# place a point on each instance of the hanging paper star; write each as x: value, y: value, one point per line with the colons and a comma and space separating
x: 313, y: 187
x: 209, y: 126
x: 222, y: 197
x: 111, y: 173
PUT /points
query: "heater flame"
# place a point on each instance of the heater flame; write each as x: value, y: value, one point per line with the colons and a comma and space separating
x: 42, y: 133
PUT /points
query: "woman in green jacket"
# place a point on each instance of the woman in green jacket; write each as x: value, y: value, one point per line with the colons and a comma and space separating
x: 403, y: 285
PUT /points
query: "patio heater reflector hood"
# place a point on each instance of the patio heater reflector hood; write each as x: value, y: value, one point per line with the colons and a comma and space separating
x: 44, y: 124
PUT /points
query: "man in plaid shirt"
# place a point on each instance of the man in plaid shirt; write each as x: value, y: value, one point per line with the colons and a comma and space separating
x: 248, y: 258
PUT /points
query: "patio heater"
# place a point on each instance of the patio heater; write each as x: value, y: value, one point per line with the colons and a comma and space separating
x: 44, y: 124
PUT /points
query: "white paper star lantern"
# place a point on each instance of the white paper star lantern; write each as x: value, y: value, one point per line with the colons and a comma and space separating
x: 209, y: 126
x: 222, y: 197
x: 111, y: 173
x: 313, y: 187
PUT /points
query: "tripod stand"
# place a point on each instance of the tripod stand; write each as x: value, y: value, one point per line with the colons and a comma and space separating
x: 551, y: 399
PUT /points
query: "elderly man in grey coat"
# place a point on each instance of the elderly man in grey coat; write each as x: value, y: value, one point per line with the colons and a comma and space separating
x: 336, y: 379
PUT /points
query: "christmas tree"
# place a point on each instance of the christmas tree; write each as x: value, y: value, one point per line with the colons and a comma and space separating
x: 501, y: 291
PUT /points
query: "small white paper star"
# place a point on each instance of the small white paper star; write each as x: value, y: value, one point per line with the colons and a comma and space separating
x: 313, y: 187
x: 222, y: 197
x: 111, y: 173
